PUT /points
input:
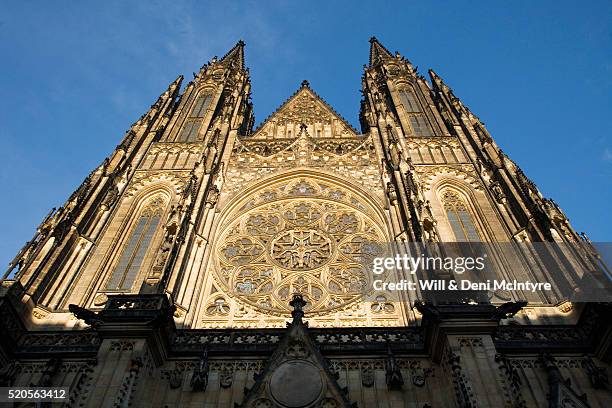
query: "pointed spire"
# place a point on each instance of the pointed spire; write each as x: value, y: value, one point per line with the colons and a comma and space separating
x: 175, y: 84
x: 235, y: 54
x: 377, y: 50
x: 170, y: 93
x: 436, y: 80
x: 171, y: 90
x: 439, y: 86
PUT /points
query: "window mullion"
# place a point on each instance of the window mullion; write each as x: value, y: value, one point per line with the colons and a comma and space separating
x: 134, y: 252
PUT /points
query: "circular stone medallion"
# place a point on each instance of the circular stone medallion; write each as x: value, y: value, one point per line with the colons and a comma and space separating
x: 301, y: 249
x: 296, y: 383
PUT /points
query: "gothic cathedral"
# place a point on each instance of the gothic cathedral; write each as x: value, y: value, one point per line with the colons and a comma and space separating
x: 211, y: 263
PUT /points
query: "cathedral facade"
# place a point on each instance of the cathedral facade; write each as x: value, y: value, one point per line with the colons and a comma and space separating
x: 209, y: 263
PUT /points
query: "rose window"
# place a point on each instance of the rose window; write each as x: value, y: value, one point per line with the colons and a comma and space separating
x: 302, y: 237
x: 301, y: 249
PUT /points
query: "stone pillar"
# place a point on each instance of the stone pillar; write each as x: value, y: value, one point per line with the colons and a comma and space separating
x: 460, y: 338
x: 134, y: 330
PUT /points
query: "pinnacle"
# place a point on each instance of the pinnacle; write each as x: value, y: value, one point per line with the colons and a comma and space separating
x: 377, y: 50
x: 435, y: 78
x: 177, y: 81
x: 235, y: 54
x: 174, y: 86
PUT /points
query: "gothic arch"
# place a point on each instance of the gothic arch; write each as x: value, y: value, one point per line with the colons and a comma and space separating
x: 432, y: 176
x: 157, y: 197
x: 237, y: 201
x: 208, y: 88
x: 196, y: 109
x: 467, y: 195
x: 171, y: 182
x: 301, y: 231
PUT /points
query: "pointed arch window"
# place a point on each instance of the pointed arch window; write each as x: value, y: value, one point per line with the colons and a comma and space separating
x: 190, y: 130
x: 459, y: 218
x: 192, y: 125
x: 409, y: 101
x: 200, y: 107
x: 136, y: 247
x: 419, y: 125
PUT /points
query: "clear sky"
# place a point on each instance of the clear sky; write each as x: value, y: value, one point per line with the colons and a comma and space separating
x: 75, y: 75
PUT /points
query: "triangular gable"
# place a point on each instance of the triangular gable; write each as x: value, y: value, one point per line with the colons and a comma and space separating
x: 561, y: 394
x: 296, y: 374
x: 304, y: 107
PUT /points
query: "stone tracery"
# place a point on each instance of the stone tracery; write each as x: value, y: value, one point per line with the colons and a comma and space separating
x: 305, y: 236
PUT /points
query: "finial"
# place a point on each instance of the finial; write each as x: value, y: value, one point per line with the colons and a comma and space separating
x: 305, y: 83
x: 373, y: 39
x: 241, y: 43
x: 297, y: 303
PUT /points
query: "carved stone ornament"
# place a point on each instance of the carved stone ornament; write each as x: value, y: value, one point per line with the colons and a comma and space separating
x: 393, y: 374
x: 367, y: 376
x: 218, y: 307
x: 100, y: 299
x: 287, y: 385
x: 226, y: 379
x: 262, y: 403
x: 296, y: 375
x: 565, y: 307
x: 296, y: 349
x: 141, y: 179
x: 199, y: 378
x: 305, y: 107
x: 465, y: 172
x: 300, y: 237
x: 418, y: 377
x: 175, y: 379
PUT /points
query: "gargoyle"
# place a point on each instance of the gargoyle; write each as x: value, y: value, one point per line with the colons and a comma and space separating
x: 509, y: 309
x: 89, y: 317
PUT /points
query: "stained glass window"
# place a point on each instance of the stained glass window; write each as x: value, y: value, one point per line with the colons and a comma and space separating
x: 408, y: 99
x: 192, y: 125
x: 419, y: 125
x: 459, y: 218
x: 200, y: 107
x: 136, y: 248
x: 190, y: 130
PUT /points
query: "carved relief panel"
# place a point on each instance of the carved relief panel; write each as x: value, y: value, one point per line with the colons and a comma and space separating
x: 304, y: 235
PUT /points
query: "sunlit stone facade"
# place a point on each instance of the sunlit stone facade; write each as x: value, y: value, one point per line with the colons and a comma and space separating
x: 169, y: 276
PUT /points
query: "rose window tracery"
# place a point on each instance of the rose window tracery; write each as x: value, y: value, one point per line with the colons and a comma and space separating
x: 301, y: 249
x: 305, y: 236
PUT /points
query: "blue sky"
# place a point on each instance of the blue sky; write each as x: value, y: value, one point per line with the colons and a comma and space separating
x: 75, y: 76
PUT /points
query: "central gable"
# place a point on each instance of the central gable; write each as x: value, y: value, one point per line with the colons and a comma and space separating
x: 304, y: 110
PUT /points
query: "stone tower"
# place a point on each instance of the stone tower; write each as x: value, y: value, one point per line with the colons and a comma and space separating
x: 179, y: 260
